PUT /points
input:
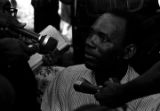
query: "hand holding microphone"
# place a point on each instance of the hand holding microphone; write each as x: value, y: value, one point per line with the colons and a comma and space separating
x: 111, y: 94
x: 85, y: 87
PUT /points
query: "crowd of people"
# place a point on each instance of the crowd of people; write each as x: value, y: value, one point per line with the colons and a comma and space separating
x: 118, y: 44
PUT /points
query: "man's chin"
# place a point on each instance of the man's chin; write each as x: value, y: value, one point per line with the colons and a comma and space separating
x: 90, y: 65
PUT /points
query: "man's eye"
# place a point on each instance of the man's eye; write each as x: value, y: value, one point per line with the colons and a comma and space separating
x: 104, y: 37
x: 91, y: 31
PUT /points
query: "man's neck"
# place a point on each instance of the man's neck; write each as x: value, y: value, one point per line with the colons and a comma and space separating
x: 104, y: 74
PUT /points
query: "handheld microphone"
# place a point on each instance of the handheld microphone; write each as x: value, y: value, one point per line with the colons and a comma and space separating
x: 46, y: 43
x: 85, y: 86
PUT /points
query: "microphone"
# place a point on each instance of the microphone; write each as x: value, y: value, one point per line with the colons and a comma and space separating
x: 85, y: 86
x: 53, y: 56
x: 46, y: 43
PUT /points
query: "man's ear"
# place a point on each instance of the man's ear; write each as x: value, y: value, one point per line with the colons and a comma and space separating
x: 129, y: 51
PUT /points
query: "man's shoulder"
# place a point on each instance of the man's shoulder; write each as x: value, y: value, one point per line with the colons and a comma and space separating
x: 79, y: 67
x: 76, y: 71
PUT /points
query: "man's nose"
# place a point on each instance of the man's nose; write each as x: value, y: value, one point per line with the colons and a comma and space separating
x: 92, y: 41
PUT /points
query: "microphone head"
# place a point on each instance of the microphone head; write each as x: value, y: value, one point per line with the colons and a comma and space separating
x: 85, y: 86
x: 47, y: 44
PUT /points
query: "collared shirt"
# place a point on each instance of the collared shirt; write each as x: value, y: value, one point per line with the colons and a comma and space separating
x: 61, y: 96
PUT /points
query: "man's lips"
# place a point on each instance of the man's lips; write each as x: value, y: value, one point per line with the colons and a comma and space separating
x: 90, y: 57
x: 90, y: 61
x: 90, y: 54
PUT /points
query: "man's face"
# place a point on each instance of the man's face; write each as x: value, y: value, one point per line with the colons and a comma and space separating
x: 104, y: 44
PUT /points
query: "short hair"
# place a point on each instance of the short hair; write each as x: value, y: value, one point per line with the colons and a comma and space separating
x: 138, y: 26
x: 143, y: 31
x: 134, y: 21
x: 149, y: 49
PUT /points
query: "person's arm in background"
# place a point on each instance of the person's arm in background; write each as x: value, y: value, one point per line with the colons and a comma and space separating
x: 146, y: 84
x: 115, y: 95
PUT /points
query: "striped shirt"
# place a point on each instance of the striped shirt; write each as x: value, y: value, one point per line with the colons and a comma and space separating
x: 61, y: 96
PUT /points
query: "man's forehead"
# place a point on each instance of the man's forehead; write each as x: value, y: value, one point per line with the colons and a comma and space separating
x: 109, y: 18
x: 110, y: 22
